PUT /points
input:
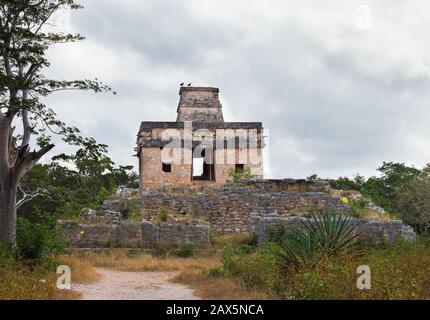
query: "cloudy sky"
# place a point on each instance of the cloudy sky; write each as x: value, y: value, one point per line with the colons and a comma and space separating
x: 341, y: 85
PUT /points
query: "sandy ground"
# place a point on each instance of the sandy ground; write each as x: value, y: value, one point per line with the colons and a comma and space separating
x: 118, y: 285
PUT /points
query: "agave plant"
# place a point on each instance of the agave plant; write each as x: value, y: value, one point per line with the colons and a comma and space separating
x: 334, y: 233
x: 297, y: 248
x: 322, y: 234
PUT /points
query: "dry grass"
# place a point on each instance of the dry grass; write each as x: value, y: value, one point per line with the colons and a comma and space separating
x: 66, y: 295
x: 217, y: 288
x: 120, y: 260
x: 233, y: 238
x: 82, y: 269
x: 21, y: 284
x: 370, y: 214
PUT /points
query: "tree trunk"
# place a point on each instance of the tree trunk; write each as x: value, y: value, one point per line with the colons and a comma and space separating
x: 9, y: 180
x: 15, y: 163
x: 8, y: 212
x: 7, y: 207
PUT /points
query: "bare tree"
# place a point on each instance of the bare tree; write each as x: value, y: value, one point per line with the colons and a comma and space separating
x: 23, y: 46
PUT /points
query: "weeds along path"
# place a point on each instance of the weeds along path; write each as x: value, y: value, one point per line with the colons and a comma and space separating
x: 120, y: 285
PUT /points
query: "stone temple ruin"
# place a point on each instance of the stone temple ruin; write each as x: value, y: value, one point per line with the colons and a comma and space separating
x: 199, y: 148
x: 185, y: 195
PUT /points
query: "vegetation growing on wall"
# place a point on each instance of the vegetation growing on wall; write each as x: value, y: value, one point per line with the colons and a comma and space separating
x: 235, y: 175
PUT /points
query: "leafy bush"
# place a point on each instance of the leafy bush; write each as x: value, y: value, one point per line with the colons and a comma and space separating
x: 325, y: 233
x: 256, y: 270
x: 132, y: 211
x: 412, y: 200
x: 358, y: 206
x: 185, y: 251
x: 345, y: 183
x: 36, y: 240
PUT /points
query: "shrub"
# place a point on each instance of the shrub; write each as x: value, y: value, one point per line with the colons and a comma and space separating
x: 241, y: 242
x: 345, y: 183
x: 163, y: 214
x: 185, y: 251
x: 358, y: 206
x: 215, y: 272
x: 253, y: 241
x: 256, y: 270
x: 36, y: 240
x: 412, y: 201
x: 132, y: 211
x: 237, y: 175
x: 161, y: 250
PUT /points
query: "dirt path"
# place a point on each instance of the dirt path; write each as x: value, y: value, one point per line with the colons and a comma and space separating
x: 118, y: 285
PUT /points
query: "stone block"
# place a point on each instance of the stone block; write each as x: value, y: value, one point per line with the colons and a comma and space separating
x: 126, y: 234
x: 148, y: 233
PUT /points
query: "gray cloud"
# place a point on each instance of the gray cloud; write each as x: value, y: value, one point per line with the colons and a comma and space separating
x: 337, y: 100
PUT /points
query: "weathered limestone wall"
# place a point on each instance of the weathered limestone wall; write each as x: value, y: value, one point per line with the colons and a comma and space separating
x: 223, y: 164
x: 152, y: 175
x: 132, y: 234
x: 288, y: 185
x: 194, y: 212
x: 175, y: 234
x: 373, y: 231
x: 227, y: 209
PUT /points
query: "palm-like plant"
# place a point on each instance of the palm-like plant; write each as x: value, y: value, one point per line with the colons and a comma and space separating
x: 334, y: 233
x: 322, y: 234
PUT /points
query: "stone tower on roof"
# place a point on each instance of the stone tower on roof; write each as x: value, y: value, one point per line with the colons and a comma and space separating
x: 199, y: 104
x: 177, y: 154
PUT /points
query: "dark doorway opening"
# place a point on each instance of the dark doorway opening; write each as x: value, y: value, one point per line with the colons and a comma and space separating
x: 203, y: 167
